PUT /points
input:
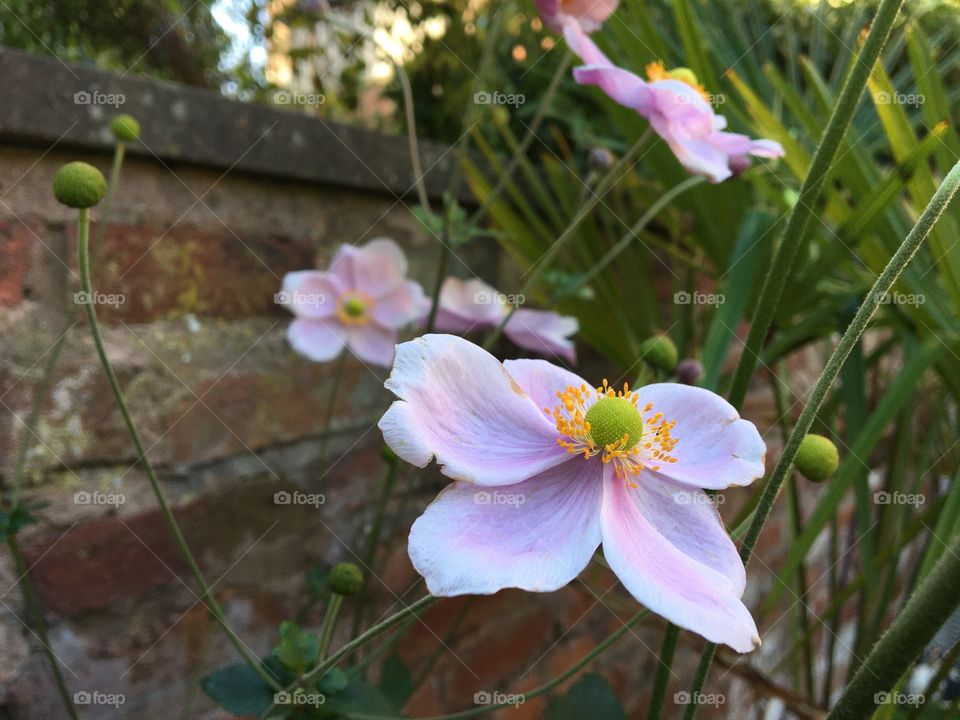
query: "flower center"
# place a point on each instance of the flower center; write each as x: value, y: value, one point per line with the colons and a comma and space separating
x: 657, y: 71
x: 613, y: 419
x: 353, y: 309
x: 614, y: 427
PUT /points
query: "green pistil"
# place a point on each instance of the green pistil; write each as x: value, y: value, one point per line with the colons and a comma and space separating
x: 611, y: 418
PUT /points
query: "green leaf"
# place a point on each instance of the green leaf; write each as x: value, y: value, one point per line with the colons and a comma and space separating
x: 298, y: 648
x: 12, y: 522
x: 395, y: 682
x: 333, y: 681
x: 239, y: 690
x: 358, y: 697
x: 590, y: 697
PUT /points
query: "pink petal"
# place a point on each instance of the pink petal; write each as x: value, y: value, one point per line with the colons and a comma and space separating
x: 701, y: 157
x: 467, y: 305
x: 591, y: 14
x: 667, y: 580
x: 379, y: 267
x: 716, y: 448
x: 621, y: 85
x: 400, y: 307
x: 537, y: 535
x: 689, y: 520
x: 310, y: 294
x: 317, y: 340
x: 373, y: 344
x: 543, y: 332
x: 582, y: 46
x: 542, y: 380
x: 460, y: 405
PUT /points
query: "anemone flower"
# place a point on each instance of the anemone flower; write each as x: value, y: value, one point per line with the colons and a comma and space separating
x: 547, y: 468
x: 676, y: 105
x: 467, y: 305
x: 590, y: 14
x: 360, y: 302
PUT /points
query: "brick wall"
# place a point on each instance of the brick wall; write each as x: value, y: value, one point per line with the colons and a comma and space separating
x: 216, y: 204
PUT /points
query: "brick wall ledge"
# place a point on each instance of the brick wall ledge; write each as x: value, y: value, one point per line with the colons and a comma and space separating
x: 70, y: 105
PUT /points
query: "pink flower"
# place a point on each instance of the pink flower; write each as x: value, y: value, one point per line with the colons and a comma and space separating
x: 360, y: 302
x: 590, y: 14
x: 547, y: 468
x: 677, y: 107
x: 467, y: 305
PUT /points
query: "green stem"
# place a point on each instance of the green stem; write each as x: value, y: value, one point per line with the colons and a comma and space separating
x: 667, y: 650
x: 639, y: 226
x: 788, y: 249
x: 528, y: 137
x: 882, y: 286
x: 107, y: 206
x: 83, y: 252
x: 329, y: 623
x: 536, y: 271
x: 703, y: 668
x: 456, y: 177
x: 378, y: 629
x: 930, y: 605
x: 39, y: 624
x: 370, y: 547
x: 341, y: 363
x: 537, y: 691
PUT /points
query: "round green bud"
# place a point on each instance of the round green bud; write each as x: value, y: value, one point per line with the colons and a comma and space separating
x: 684, y: 74
x: 817, y: 458
x: 612, y: 418
x: 345, y: 579
x: 660, y: 352
x: 79, y: 185
x: 125, y: 128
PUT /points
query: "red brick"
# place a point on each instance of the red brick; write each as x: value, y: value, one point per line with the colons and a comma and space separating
x: 15, y: 240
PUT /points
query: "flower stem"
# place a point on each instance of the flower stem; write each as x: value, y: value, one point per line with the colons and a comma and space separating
x: 930, y: 605
x: 536, y: 271
x: 329, y: 623
x: 788, y: 249
x: 667, y: 650
x: 108, y: 198
x: 915, y: 238
x: 83, y: 253
x: 456, y: 177
x: 638, y: 226
x: 525, y: 143
x: 540, y: 690
x: 38, y: 624
x: 332, y: 402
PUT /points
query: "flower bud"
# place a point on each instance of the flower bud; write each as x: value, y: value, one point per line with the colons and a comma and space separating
x: 79, y: 185
x: 345, y: 579
x: 125, y: 128
x: 689, y: 371
x: 600, y: 159
x: 817, y: 458
x: 659, y: 352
